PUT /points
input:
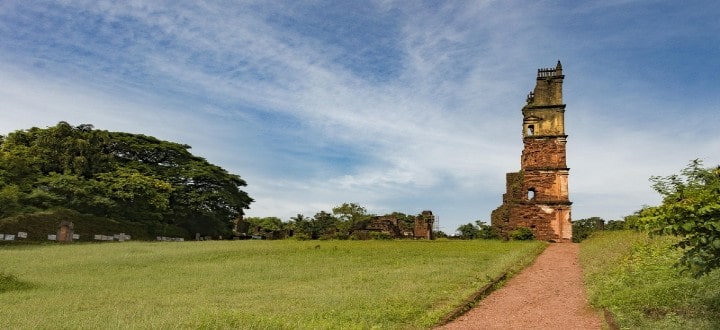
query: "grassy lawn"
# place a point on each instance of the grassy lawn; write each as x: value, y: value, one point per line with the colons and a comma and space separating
x: 633, y: 276
x: 248, y: 284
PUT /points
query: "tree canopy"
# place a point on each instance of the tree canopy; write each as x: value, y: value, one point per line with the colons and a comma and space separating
x: 124, y: 176
x: 479, y: 229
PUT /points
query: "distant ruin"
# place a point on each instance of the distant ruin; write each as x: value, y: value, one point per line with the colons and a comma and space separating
x: 391, y: 225
x: 536, y: 197
x: 66, y: 231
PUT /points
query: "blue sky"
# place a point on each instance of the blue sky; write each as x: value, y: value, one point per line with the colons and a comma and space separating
x: 394, y: 105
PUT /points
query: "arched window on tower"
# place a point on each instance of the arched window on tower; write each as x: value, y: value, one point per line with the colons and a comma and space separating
x: 531, y: 194
x: 531, y: 130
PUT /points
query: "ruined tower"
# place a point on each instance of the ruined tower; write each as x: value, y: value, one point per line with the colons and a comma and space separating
x: 536, y: 197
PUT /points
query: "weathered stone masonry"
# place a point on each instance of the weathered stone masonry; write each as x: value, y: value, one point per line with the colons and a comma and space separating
x: 537, y: 196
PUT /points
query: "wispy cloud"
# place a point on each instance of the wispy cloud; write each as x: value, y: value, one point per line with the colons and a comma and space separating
x: 395, y: 105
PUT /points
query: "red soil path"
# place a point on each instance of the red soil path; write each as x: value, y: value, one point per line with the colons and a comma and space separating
x: 547, y: 295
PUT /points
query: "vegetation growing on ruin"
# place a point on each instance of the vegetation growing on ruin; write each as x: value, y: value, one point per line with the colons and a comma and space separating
x: 255, y: 284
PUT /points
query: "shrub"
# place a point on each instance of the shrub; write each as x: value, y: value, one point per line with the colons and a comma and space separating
x: 301, y: 237
x: 691, y: 211
x: 581, y: 229
x: 39, y: 224
x: 522, y: 234
x: 380, y: 235
x: 487, y: 231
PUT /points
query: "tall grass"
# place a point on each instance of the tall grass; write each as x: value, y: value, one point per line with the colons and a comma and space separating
x: 249, y: 284
x: 634, y: 277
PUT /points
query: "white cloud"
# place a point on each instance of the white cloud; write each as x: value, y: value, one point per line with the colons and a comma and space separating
x: 308, y: 130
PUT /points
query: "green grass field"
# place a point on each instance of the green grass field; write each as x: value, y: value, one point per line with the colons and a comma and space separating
x: 632, y: 275
x: 248, y: 284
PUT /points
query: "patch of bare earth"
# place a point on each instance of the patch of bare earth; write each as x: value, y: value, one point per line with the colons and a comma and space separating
x: 547, y: 295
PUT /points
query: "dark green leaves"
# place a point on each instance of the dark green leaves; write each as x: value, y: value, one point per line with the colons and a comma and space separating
x: 125, y: 176
x: 690, y: 210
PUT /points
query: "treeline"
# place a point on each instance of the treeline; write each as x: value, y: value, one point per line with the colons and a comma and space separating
x: 346, y: 221
x: 583, y: 228
x: 120, y: 176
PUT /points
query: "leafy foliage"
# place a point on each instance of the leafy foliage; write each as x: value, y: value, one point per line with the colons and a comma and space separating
x: 632, y: 275
x: 522, y: 234
x: 467, y: 231
x: 583, y: 228
x: 123, y: 176
x: 615, y: 225
x: 486, y: 231
x: 477, y: 230
x: 378, y: 235
x: 322, y: 226
x: 268, y: 227
x: 440, y: 234
x: 352, y: 217
x: 691, y: 211
x: 348, y: 221
x: 38, y: 224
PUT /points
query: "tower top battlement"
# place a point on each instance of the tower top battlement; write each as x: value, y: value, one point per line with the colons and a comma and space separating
x: 548, y: 87
x: 550, y: 72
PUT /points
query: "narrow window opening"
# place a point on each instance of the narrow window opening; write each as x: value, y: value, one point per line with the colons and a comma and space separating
x: 531, y: 130
x: 531, y: 194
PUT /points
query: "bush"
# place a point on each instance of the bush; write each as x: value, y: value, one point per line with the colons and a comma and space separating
x: 468, y: 231
x: 581, y: 229
x: 487, y: 231
x: 691, y: 211
x: 381, y: 235
x: 39, y: 224
x: 522, y: 234
x: 301, y: 237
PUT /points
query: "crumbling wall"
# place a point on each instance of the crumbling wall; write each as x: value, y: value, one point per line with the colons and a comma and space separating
x: 544, y: 153
x: 388, y: 224
x: 423, y: 225
x: 548, y: 222
x: 500, y: 217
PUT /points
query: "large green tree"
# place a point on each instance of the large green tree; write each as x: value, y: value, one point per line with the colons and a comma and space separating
x: 117, y: 175
x: 468, y: 231
x: 351, y: 217
x: 690, y: 210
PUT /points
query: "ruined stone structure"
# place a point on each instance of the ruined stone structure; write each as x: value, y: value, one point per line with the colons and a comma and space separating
x: 387, y: 224
x: 537, y: 196
x: 422, y: 227
x: 65, y: 232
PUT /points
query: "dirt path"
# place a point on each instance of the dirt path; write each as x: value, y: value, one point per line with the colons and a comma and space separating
x: 547, y: 295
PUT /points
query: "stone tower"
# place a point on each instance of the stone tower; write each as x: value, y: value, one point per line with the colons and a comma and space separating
x: 537, y: 196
